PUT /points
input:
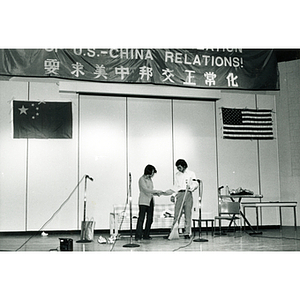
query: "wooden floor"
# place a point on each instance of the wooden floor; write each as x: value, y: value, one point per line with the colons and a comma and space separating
x: 285, y: 239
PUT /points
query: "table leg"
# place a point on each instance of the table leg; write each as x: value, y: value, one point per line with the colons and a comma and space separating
x: 248, y: 223
x: 280, y: 217
x: 194, y: 228
x: 256, y: 208
x: 295, y: 218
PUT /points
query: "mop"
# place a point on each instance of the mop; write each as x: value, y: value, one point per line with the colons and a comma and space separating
x: 174, y: 230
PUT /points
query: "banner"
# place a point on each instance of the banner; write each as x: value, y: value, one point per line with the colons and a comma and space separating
x: 247, y: 69
x: 42, y: 120
x: 253, y: 124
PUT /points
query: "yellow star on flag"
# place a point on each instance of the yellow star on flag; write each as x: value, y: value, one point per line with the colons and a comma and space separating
x: 23, y: 110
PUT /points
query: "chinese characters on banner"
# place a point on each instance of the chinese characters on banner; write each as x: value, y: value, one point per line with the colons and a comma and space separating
x: 197, y: 68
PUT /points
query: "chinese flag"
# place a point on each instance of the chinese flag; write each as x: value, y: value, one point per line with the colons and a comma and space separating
x: 42, y: 120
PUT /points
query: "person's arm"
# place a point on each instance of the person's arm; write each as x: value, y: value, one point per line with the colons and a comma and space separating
x: 168, y: 192
x: 176, y: 186
x: 193, y: 182
x: 175, y: 189
x: 146, y: 190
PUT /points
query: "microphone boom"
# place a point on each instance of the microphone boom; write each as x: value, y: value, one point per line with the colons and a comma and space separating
x: 90, y: 178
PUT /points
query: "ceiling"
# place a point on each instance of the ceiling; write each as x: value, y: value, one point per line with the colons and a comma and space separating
x: 287, y: 54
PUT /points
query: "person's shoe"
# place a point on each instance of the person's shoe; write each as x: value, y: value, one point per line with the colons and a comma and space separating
x: 137, y: 239
x: 147, y: 238
x: 187, y: 237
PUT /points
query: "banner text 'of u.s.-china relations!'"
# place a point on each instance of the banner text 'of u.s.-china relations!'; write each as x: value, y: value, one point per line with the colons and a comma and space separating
x: 247, y: 69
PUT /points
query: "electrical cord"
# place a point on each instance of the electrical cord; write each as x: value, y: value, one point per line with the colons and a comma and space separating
x: 54, y: 249
x: 52, y: 215
x: 188, y: 244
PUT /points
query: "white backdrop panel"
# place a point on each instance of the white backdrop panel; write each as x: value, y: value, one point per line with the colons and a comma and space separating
x: 52, y: 172
x: 150, y: 142
x: 12, y: 161
x: 194, y: 141
x: 103, y: 155
x: 269, y: 170
x: 238, y: 160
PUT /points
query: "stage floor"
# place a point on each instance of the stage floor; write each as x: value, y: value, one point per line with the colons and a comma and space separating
x: 285, y: 239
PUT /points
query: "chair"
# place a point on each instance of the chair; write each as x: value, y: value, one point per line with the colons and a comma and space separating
x: 229, y: 211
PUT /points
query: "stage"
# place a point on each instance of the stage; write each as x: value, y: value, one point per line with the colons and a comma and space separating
x: 271, y: 239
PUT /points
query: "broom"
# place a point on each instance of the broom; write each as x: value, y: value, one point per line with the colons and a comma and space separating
x: 174, y: 230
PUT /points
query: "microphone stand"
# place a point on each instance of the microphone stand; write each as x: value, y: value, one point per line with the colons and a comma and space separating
x: 83, y: 225
x: 200, y: 221
x: 130, y: 245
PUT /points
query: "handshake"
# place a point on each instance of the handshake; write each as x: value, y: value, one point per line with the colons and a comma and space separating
x: 164, y: 193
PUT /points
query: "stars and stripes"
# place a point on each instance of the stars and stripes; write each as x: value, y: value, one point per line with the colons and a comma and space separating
x: 245, y: 123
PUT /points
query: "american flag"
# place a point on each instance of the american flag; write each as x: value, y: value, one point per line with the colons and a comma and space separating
x: 245, y: 123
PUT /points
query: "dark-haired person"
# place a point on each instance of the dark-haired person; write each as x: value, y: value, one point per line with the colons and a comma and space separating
x: 146, y: 203
x: 184, y: 180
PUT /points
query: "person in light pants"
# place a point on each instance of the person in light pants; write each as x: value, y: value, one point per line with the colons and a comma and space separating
x: 184, y: 179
